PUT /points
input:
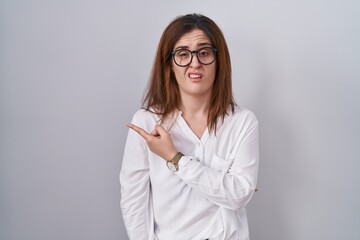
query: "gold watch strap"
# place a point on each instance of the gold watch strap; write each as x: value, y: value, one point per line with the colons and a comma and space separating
x: 176, y: 158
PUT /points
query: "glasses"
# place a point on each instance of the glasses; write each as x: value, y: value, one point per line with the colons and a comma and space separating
x: 183, y: 57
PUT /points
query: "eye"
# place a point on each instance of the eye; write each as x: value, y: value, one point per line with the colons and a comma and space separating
x: 204, y: 52
x: 182, y: 53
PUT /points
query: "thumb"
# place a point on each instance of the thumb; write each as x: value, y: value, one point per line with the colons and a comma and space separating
x: 155, y: 132
x: 160, y: 130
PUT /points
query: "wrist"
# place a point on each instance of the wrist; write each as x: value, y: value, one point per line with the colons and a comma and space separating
x: 172, y: 164
x: 171, y: 155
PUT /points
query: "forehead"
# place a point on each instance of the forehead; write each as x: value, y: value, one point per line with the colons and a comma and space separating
x: 193, y: 39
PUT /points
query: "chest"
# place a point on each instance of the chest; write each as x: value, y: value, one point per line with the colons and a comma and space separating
x: 197, y: 126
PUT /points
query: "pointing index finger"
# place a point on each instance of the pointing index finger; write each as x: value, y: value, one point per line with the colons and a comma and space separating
x: 139, y: 130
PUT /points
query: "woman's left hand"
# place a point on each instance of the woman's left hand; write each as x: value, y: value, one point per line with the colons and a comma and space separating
x: 159, y: 141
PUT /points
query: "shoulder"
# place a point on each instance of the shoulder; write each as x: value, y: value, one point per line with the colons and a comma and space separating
x: 243, y: 114
x: 239, y: 121
x: 145, y: 119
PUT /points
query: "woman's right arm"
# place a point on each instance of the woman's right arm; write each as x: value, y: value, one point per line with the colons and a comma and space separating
x: 135, y: 188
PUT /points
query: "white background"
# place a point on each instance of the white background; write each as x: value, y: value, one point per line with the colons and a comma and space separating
x: 73, y: 72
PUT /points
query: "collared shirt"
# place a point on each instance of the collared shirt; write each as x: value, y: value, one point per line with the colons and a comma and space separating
x: 206, y: 198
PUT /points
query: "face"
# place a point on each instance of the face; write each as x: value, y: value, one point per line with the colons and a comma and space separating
x: 196, y: 79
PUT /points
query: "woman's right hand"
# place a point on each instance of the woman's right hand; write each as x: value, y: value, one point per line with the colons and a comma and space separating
x: 159, y: 141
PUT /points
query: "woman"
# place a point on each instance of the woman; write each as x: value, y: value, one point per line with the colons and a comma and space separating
x: 191, y: 159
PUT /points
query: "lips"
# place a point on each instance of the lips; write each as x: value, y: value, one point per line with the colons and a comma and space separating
x: 195, y: 76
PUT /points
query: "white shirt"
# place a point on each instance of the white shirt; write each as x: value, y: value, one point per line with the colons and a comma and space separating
x: 206, y: 198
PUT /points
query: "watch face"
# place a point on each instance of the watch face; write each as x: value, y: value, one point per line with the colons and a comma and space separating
x: 171, y: 166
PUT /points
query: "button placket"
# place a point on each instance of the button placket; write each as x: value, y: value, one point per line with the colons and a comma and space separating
x: 198, y: 151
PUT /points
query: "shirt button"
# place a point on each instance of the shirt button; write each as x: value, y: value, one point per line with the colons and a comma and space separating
x: 198, y: 144
x: 198, y: 159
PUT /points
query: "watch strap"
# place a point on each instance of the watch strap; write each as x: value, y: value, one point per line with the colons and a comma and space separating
x: 176, y: 158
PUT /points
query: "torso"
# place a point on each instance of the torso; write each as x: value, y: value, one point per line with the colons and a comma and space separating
x: 173, y: 200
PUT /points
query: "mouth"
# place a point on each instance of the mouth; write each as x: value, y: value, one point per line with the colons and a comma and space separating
x: 195, y: 76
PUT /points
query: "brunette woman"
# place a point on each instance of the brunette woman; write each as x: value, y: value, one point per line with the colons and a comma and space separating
x: 191, y: 158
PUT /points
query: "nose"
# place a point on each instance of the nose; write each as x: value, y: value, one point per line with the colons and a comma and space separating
x: 195, y: 60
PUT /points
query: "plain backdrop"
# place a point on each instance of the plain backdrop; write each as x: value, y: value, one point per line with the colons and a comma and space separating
x: 73, y: 72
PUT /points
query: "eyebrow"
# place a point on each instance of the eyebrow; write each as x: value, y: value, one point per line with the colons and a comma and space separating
x: 200, y: 45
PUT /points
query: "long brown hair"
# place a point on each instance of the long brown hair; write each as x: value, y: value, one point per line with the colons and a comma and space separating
x: 163, y: 95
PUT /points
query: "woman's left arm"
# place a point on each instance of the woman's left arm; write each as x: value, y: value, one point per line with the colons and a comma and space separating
x: 231, y: 187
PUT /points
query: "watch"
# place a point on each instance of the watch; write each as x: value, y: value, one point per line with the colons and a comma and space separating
x: 173, y: 163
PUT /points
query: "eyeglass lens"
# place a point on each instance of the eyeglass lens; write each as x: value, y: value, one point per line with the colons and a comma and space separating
x: 183, y: 57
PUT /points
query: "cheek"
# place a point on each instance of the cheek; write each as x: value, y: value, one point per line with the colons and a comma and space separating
x: 212, y: 73
x: 179, y: 73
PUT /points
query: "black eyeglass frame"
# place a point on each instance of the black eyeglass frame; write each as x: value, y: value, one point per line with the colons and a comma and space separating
x: 192, y: 55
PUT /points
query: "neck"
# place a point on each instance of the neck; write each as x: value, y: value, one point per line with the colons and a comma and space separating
x: 191, y: 106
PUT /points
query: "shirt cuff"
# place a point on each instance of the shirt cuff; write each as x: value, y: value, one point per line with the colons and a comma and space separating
x: 184, y: 161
